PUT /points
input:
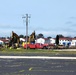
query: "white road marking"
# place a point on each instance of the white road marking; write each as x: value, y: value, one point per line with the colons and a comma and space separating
x: 34, y: 57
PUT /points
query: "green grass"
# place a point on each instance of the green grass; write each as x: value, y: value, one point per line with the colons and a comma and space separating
x: 44, y: 51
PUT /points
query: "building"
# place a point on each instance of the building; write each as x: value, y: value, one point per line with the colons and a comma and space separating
x: 66, y: 41
x: 52, y: 41
x: 40, y: 40
x: 4, y: 41
x: 73, y: 42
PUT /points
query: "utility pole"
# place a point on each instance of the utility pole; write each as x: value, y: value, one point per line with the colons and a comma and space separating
x: 26, y: 20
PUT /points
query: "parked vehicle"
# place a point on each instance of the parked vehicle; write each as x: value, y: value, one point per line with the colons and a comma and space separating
x: 33, y: 46
x: 36, y: 46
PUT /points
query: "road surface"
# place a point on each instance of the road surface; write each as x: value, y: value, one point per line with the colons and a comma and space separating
x: 24, y: 66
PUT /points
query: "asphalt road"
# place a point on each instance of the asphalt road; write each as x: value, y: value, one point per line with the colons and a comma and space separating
x: 37, y: 67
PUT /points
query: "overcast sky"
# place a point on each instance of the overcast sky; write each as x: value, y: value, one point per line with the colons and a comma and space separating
x: 50, y: 17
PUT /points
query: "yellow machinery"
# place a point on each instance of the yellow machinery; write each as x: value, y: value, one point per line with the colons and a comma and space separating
x: 15, y: 40
x: 32, y: 38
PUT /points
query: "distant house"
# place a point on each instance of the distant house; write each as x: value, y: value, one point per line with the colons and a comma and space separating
x: 4, y: 40
x: 45, y: 40
x: 52, y: 41
x: 65, y: 41
x: 73, y: 43
x: 40, y: 40
x: 1, y: 42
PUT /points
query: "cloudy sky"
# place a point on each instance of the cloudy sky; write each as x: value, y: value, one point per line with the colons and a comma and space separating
x: 50, y: 17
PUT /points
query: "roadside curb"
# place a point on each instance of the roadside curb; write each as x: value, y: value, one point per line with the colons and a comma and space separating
x: 66, y: 50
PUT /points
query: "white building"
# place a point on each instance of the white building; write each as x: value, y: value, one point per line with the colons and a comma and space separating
x: 62, y: 41
x: 40, y: 40
x: 1, y: 42
x: 65, y: 41
x: 73, y: 43
x: 52, y: 41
